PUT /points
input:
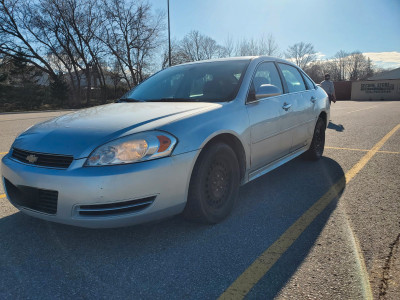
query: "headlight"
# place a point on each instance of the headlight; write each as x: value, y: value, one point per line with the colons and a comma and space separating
x: 133, y: 148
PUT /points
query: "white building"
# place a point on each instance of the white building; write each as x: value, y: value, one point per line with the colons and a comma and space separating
x: 384, y: 86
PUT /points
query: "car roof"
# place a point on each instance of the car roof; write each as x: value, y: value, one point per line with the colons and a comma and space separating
x: 236, y: 58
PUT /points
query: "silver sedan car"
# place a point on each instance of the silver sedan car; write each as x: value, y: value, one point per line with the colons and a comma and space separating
x: 182, y: 141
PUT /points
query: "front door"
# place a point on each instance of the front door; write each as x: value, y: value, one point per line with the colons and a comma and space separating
x: 270, y: 119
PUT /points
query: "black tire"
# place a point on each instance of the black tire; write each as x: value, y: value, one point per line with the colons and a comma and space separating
x: 318, y: 142
x: 214, y: 185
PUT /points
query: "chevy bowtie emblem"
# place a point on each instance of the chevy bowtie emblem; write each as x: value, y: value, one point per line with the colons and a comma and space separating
x: 32, y: 158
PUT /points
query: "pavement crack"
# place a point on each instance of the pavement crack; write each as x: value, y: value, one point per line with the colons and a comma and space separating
x: 386, y: 269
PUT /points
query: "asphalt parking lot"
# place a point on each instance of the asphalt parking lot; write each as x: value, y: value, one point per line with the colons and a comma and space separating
x: 308, y: 230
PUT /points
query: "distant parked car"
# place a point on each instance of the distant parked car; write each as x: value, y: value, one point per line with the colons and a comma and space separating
x: 182, y: 141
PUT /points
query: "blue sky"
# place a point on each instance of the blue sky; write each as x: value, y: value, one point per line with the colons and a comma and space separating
x: 368, y: 26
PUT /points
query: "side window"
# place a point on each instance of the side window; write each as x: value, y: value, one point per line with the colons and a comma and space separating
x: 309, y: 82
x: 266, y: 74
x: 293, y: 78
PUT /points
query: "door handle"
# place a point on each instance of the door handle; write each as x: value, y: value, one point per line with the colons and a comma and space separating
x: 286, y: 106
x: 313, y: 99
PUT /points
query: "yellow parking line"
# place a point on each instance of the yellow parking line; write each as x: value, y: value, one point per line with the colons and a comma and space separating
x: 351, y: 149
x: 249, y: 278
x: 391, y: 152
x: 3, y: 153
x: 353, y: 172
x: 363, y: 150
x: 2, y: 196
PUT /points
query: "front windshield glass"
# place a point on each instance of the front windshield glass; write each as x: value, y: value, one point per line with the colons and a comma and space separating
x: 216, y: 81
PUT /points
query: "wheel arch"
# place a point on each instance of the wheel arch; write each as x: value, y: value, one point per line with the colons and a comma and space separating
x: 235, y: 143
x: 324, y: 117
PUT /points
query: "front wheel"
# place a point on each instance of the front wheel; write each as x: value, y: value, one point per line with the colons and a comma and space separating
x: 318, y: 142
x: 214, y: 185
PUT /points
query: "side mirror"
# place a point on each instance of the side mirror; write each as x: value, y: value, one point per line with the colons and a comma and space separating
x: 267, y: 90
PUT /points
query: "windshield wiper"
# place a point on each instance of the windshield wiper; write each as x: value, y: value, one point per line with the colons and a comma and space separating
x: 128, y: 100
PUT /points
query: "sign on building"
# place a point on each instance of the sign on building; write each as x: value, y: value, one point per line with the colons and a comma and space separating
x: 376, y: 90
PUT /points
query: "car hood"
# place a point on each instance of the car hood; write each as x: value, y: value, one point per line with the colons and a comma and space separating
x: 79, y: 133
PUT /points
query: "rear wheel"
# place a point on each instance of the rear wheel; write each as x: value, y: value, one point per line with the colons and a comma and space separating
x: 318, y: 142
x: 214, y: 185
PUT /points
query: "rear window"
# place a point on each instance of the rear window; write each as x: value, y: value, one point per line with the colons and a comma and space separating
x: 309, y: 82
x: 293, y: 78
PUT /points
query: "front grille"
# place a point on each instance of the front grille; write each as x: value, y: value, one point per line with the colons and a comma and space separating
x: 116, y: 208
x: 42, y: 159
x: 36, y: 199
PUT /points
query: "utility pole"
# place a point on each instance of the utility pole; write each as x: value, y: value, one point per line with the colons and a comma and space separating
x: 169, y: 38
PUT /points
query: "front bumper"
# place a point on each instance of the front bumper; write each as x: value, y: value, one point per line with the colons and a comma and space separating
x: 165, y: 180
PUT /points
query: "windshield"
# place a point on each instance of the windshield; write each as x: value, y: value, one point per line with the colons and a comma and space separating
x: 216, y: 81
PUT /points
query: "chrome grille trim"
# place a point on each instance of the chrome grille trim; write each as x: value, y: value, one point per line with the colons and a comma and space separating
x: 43, y: 159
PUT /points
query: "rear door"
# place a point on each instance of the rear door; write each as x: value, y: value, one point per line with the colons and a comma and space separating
x: 301, y: 105
x: 312, y: 112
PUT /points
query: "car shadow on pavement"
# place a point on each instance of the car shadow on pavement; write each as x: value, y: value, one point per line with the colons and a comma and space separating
x: 172, y: 258
x: 337, y: 127
x: 310, y: 181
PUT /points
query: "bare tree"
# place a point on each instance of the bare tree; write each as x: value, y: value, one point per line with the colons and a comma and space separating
x: 301, y: 54
x: 316, y: 70
x: 132, y: 35
x: 228, y: 47
x: 268, y: 46
x: 357, y: 65
x: 15, y: 37
x: 178, y: 56
x: 196, y: 46
x: 254, y: 47
x: 247, y: 47
x: 210, y: 48
x: 369, y: 70
x: 47, y: 24
x: 69, y: 28
x: 115, y: 74
x: 57, y: 36
x: 349, y: 66
x: 191, y: 46
x: 342, y: 66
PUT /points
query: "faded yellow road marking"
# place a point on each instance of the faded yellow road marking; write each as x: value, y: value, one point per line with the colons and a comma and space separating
x: 391, y: 152
x: 2, y: 196
x: 3, y: 153
x: 363, y: 150
x: 355, y: 169
x: 249, y: 278
x: 350, y: 149
x: 361, y: 109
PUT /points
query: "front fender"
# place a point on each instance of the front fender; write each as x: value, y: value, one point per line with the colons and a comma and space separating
x: 194, y: 132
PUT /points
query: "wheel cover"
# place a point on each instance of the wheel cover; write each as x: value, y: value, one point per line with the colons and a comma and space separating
x: 218, y: 182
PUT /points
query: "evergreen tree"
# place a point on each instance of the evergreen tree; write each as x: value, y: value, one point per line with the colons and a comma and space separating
x: 59, y: 90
